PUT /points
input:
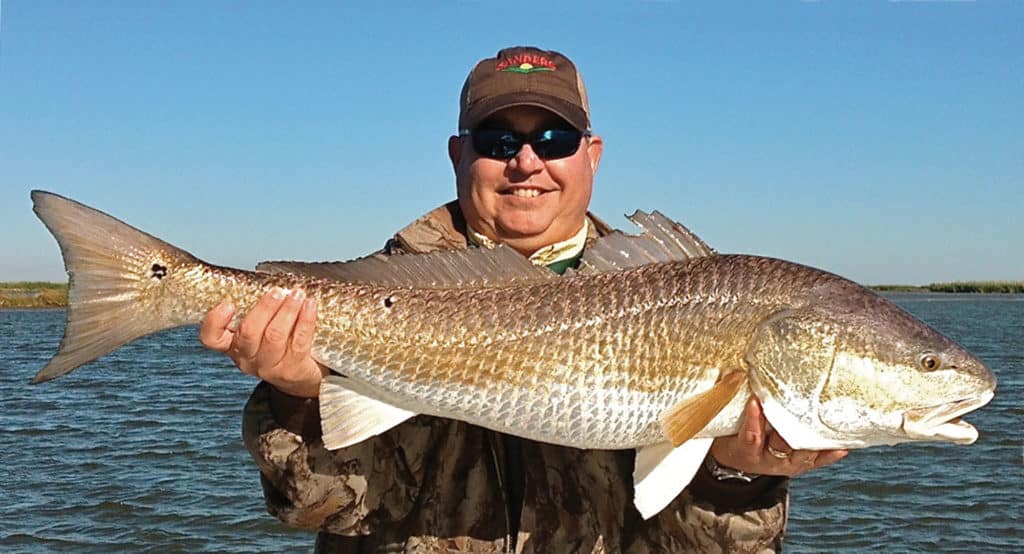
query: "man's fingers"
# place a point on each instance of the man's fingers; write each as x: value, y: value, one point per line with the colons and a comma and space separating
x: 802, y: 460
x: 250, y: 332
x: 296, y: 373
x: 829, y: 457
x: 752, y: 428
x: 776, y: 443
x: 214, y: 332
x: 755, y: 449
x: 278, y: 332
x: 305, y: 326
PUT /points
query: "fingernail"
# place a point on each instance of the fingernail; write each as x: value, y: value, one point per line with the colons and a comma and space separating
x: 228, y: 308
x: 299, y: 295
x: 277, y: 293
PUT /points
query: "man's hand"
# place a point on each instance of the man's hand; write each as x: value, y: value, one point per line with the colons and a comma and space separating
x: 272, y: 342
x: 753, y: 450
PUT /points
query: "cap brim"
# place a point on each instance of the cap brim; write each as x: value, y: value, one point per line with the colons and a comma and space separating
x: 571, y: 113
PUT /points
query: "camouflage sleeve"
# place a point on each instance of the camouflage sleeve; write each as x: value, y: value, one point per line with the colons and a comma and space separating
x: 727, y: 516
x: 350, y: 491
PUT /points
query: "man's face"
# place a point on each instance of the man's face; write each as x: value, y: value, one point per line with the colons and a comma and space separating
x: 525, y: 202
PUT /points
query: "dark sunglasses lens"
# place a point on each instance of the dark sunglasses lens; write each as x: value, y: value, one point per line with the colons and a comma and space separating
x: 502, y: 144
x: 556, y: 143
x: 496, y: 143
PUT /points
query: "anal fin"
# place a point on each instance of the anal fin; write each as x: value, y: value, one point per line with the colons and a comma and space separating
x: 684, y: 420
x: 663, y: 471
x: 348, y: 418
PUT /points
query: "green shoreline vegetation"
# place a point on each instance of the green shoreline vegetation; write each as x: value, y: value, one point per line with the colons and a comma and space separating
x: 984, y: 287
x: 40, y: 294
x: 33, y: 294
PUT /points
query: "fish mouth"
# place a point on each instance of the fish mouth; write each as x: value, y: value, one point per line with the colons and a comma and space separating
x: 943, y: 423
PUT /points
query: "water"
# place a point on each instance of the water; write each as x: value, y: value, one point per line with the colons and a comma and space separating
x: 142, y: 451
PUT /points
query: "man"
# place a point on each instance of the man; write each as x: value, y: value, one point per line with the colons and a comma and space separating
x: 524, y: 163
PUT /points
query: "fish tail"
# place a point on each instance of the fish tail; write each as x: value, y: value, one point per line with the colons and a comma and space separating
x: 117, y: 280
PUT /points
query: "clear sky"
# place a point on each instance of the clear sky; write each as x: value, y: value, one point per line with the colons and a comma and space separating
x: 882, y: 141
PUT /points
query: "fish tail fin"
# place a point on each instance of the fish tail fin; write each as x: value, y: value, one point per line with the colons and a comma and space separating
x: 117, y: 276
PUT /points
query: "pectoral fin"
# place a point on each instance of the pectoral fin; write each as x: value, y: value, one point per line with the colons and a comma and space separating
x: 684, y: 420
x: 663, y: 471
x: 348, y: 418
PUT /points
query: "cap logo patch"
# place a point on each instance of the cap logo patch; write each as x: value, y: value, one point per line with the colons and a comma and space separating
x: 526, y: 63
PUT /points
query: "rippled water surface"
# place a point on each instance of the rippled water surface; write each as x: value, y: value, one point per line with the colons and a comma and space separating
x: 141, y: 451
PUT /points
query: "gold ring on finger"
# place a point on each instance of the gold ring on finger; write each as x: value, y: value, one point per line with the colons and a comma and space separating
x: 778, y: 453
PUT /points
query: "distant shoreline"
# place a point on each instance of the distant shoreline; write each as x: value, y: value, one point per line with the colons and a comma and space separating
x: 970, y: 287
x: 35, y: 295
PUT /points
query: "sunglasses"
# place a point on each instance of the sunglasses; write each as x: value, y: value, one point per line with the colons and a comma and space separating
x: 504, y: 144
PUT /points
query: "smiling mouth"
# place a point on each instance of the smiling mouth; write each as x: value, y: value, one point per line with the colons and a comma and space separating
x: 522, y: 192
x: 943, y: 422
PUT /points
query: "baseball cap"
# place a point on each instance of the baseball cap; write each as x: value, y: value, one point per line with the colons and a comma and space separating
x: 524, y: 76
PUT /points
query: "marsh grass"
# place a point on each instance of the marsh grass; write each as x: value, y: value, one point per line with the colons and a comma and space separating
x: 898, y: 288
x: 1005, y: 287
x: 33, y: 294
x: 32, y: 285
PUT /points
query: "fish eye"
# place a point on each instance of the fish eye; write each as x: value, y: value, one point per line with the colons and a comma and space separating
x: 930, y: 362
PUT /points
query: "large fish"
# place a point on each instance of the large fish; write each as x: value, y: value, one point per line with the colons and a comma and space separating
x: 655, y: 344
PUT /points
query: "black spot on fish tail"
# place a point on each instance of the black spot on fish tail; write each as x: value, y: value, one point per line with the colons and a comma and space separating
x: 159, y: 271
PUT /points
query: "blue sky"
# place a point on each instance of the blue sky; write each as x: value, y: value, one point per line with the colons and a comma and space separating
x: 881, y: 141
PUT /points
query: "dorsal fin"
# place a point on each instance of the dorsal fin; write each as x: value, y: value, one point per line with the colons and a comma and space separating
x: 662, y: 240
x: 471, y: 267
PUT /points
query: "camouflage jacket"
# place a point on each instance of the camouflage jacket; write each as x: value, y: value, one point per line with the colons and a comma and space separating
x: 438, y: 485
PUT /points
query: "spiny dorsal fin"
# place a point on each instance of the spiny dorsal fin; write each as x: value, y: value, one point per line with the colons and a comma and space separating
x: 662, y: 240
x: 674, y: 236
x: 684, y: 420
x: 472, y: 267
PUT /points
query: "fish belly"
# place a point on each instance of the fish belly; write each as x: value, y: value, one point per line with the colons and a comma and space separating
x: 569, y: 414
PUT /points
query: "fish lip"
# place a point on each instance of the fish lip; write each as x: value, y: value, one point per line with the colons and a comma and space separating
x: 941, y: 422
